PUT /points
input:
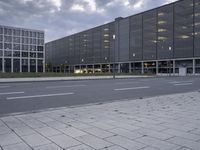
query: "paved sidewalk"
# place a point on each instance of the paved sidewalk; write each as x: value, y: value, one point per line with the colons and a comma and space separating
x: 169, y: 122
x: 38, y: 79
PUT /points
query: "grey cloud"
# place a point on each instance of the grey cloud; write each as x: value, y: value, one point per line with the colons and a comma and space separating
x: 44, y: 15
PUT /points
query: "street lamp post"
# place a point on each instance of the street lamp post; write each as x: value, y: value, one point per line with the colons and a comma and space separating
x: 170, y: 49
x: 114, y: 37
x: 65, y: 66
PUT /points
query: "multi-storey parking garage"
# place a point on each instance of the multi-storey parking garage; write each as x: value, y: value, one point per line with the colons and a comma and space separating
x: 21, y: 50
x: 161, y: 40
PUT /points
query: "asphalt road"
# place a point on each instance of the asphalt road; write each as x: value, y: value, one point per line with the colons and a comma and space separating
x: 31, y: 96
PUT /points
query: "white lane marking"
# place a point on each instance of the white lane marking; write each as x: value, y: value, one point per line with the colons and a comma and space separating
x: 9, y: 93
x: 38, y: 96
x: 133, y: 88
x: 2, y: 87
x: 63, y: 86
x: 126, y: 82
x: 177, y: 82
x: 182, y: 84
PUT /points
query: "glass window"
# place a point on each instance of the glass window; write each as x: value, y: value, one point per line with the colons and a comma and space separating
x: 40, y: 65
x: 24, y: 54
x: 41, y: 35
x: 24, y: 65
x: 16, y: 65
x: 32, y: 65
x: 16, y: 46
x: 34, y: 41
x: 40, y: 42
x: 7, y: 46
x: 25, y: 47
x: 1, y: 37
x: 7, y: 31
x: 24, y: 33
x: 40, y: 55
x: 1, y: 46
x: 7, y: 64
x: 16, y: 53
x: 1, y: 30
x: 1, y: 53
x: 32, y: 48
x: 16, y: 32
x: 16, y: 39
x: 25, y: 40
x: 33, y: 55
x: 8, y: 53
x: 8, y: 39
x: 40, y: 48
x: 183, y: 29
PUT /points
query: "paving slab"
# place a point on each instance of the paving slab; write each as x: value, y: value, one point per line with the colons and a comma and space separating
x: 156, y: 123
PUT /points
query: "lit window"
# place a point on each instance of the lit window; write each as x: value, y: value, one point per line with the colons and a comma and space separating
x: 106, y: 35
x: 161, y: 14
x: 162, y: 30
x: 161, y: 22
x: 106, y: 41
x: 185, y: 37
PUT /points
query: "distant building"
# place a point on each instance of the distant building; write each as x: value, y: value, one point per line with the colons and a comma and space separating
x: 21, y: 50
x: 160, y: 40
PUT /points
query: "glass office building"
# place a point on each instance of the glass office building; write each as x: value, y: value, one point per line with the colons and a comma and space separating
x: 160, y: 40
x: 21, y: 50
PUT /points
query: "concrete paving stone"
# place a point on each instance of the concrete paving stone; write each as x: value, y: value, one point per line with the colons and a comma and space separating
x: 126, y: 133
x: 162, y: 145
x: 64, y: 141
x: 73, y: 132
x: 185, y: 143
x: 80, y: 147
x: 34, y: 124
x: 79, y: 125
x: 126, y: 143
x: 18, y: 146
x: 48, y: 131
x: 150, y: 148
x: 151, y: 126
x: 56, y: 124
x: 23, y: 131
x: 182, y: 134
x: 184, y: 148
x: 102, y: 125
x: 4, y: 130
x: 45, y: 119
x: 114, y: 148
x: 98, y: 132
x: 94, y: 142
x: 48, y: 147
x: 8, y: 139
x: 126, y: 126
x: 155, y: 134
x: 195, y: 131
x: 35, y: 140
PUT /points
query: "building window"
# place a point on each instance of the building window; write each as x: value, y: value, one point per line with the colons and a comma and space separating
x: 24, y: 54
x: 16, y: 46
x: 16, y: 39
x: 8, y: 53
x: 7, y: 31
x: 17, y: 32
x: 16, y: 53
x: 1, y: 45
x: 40, y: 55
x: 7, y: 46
x: 8, y: 39
x: 1, y: 38
x: 40, y: 48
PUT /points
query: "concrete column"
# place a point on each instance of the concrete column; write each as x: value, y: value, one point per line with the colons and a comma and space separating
x: 130, y: 69
x: 101, y: 68
x: 12, y: 65
x: 142, y: 67
x: 43, y: 65
x: 194, y: 67
x: 93, y: 69
x: 119, y: 68
x: 174, y: 67
x: 157, y: 68
x: 28, y: 63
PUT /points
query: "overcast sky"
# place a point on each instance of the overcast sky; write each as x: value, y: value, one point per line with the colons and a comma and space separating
x: 59, y: 18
